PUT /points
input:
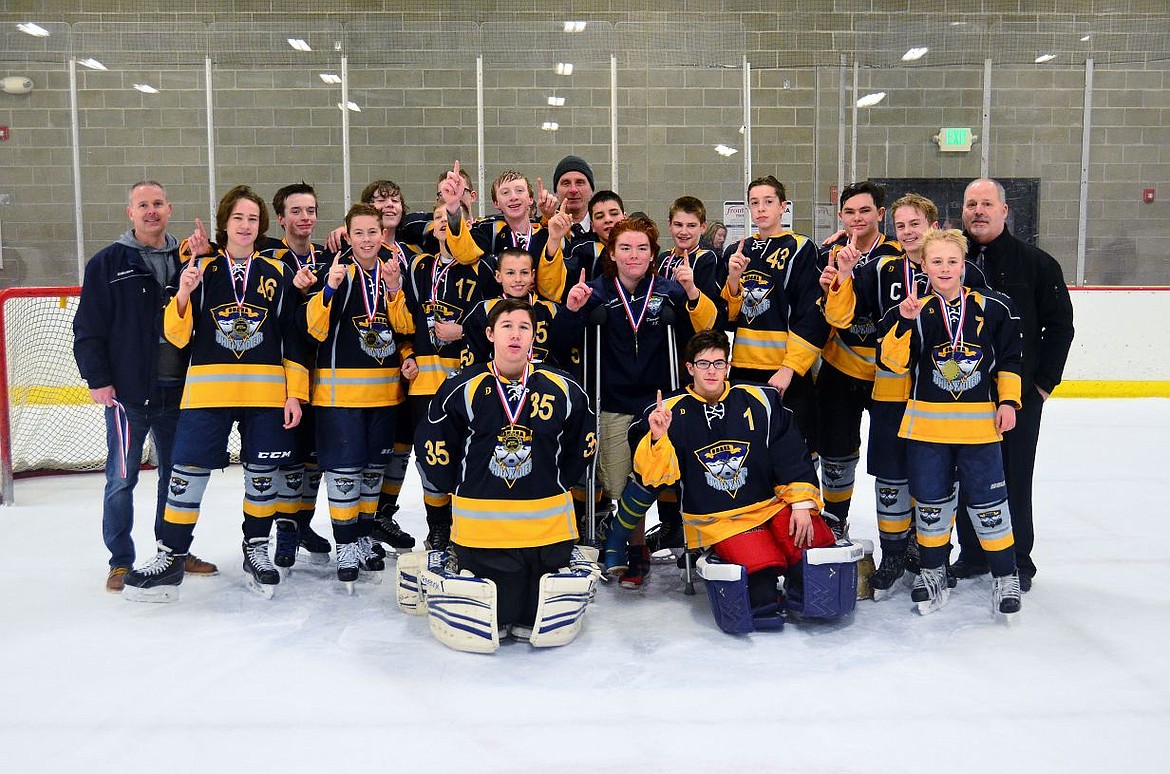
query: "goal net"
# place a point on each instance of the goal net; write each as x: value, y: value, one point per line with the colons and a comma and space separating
x: 49, y: 423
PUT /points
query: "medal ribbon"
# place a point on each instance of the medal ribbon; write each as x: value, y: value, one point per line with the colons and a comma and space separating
x: 438, y: 276
x: 956, y: 335
x: 311, y: 263
x: 635, y: 324
x: 673, y: 260
x: 247, y: 271
x: 371, y: 289
x: 522, y: 240
x: 501, y: 390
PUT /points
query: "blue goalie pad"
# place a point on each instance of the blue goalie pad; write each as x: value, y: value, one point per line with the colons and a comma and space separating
x: 828, y: 581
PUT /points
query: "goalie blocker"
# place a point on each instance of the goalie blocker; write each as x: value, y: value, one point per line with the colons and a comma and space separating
x: 464, y: 610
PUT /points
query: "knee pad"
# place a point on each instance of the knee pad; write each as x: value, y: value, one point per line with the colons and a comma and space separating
x: 461, y: 608
x: 560, y: 609
x: 408, y: 591
x: 894, y: 507
x: 727, y: 591
x: 828, y: 581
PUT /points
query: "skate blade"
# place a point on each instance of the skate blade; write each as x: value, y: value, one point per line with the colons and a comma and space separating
x: 157, y: 594
x: 371, y: 576
x: 880, y: 594
x: 266, y: 590
x: 285, y: 572
x: 348, y: 587
x: 666, y: 556
x: 931, y: 605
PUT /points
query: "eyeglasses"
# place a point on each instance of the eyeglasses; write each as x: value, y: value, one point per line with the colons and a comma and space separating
x: 703, y: 365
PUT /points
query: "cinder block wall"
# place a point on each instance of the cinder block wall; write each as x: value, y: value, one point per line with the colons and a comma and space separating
x: 277, y: 123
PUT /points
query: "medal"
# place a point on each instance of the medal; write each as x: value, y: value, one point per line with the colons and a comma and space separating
x: 955, y: 336
x: 244, y: 276
x: 371, y: 290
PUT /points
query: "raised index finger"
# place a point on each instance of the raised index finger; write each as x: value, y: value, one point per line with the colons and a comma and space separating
x: 582, y: 275
x: 456, y: 169
x: 660, y: 408
x: 539, y: 189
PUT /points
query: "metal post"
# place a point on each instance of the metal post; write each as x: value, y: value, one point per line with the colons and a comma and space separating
x: 747, y: 141
x: 75, y: 141
x: 479, y: 150
x: 613, y: 123
x: 853, y: 145
x: 841, y: 127
x: 985, y: 140
x: 346, y: 159
x: 1083, y: 213
x: 210, y: 139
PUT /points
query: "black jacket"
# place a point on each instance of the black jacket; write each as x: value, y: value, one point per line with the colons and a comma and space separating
x: 1035, y: 282
x: 118, y: 326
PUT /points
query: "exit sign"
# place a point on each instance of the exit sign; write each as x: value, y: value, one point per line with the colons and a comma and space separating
x: 954, y: 139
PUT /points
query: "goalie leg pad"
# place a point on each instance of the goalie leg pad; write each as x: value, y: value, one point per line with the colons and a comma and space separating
x: 461, y: 609
x: 560, y: 611
x: 727, y: 590
x: 407, y: 582
x: 828, y: 581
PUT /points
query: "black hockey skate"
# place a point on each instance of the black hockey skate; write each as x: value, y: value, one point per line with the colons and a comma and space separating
x: 157, y: 581
x: 368, y: 559
x: 286, y: 543
x: 386, y: 530
x: 665, y: 537
x: 1005, y: 594
x: 438, y: 538
x: 317, y: 546
x: 260, y: 575
x: 892, y: 568
x: 348, y: 556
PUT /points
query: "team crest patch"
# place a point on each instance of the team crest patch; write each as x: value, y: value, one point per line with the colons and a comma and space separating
x: 294, y: 480
x: 371, y: 480
x: 375, y: 338
x: 929, y: 514
x: 654, y: 305
x: 956, y: 367
x: 863, y: 327
x: 262, y: 483
x: 888, y: 495
x: 345, y: 485
x: 756, y: 287
x: 512, y: 457
x: 990, y: 519
x: 238, y: 327
x: 437, y: 311
x: 178, y: 486
x: 832, y: 470
x: 723, y: 463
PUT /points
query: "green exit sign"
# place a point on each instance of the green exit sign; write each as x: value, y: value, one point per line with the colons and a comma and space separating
x: 954, y: 139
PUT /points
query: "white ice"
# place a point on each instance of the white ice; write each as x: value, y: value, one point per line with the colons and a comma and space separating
x: 317, y: 681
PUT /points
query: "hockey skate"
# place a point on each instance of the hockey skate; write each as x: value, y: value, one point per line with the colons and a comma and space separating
x: 438, y: 538
x: 930, y: 590
x: 665, y: 542
x: 316, y: 546
x: 285, y: 555
x: 260, y: 575
x: 1005, y: 596
x: 892, y: 567
x: 386, y: 530
x: 369, y: 561
x: 637, y: 570
x: 348, y: 557
x: 157, y: 581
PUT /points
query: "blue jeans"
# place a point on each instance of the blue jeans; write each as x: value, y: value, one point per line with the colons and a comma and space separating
x: 159, y: 417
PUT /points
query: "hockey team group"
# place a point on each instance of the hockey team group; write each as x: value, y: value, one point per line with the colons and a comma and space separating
x: 559, y: 368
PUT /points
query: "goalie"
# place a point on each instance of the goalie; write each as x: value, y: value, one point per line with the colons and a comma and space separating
x: 749, y: 494
x: 507, y: 439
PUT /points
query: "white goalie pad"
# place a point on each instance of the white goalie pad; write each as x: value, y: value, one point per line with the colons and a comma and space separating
x: 461, y: 609
x: 560, y: 613
x: 842, y: 553
x: 407, y: 587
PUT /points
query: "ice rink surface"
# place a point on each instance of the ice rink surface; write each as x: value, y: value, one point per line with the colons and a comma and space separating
x: 317, y: 681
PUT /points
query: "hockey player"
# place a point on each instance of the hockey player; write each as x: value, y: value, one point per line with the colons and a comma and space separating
x: 237, y: 311
x: 870, y: 292
x: 562, y: 261
x: 512, y: 195
x: 295, y: 207
x: 963, y: 351
x: 845, y: 380
x: 508, y: 438
x: 634, y: 357
x: 749, y: 490
x: 779, y: 329
x: 355, y: 387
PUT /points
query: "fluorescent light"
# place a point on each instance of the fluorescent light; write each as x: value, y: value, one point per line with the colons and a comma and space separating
x: 574, y: 26
x: 550, y: 126
x: 724, y: 150
x: 299, y: 44
x: 915, y: 53
x: 92, y: 64
x: 564, y: 68
x: 351, y: 105
x: 36, y: 30
x: 1045, y: 58
x: 556, y: 101
x: 958, y: 24
x: 146, y: 88
x: 331, y: 78
x: 1086, y: 38
x: 869, y: 100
